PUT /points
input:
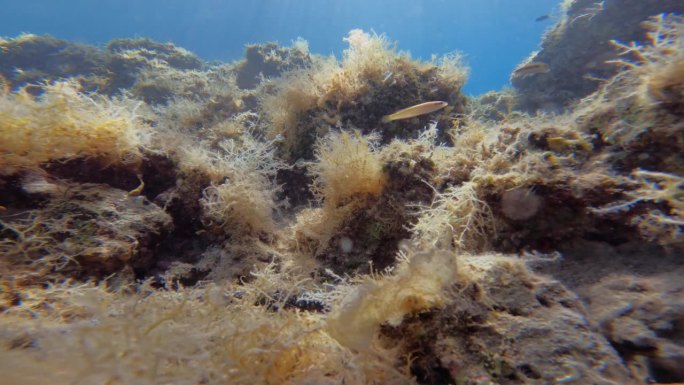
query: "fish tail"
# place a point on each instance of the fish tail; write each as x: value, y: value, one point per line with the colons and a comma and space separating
x: 387, y: 118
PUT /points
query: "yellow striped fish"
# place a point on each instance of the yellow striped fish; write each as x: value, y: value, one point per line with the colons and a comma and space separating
x: 413, y: 111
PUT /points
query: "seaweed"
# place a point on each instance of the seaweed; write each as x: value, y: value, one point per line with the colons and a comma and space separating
x: 64, y: 124
x: 408, y: 252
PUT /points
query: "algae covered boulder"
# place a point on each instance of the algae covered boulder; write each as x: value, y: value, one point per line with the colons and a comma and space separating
x: 269, y: 61
x: 263, y: 221
x: 82, y: 231
x: 491, y: 327
x: 578, y: 49
x: 372, y: 80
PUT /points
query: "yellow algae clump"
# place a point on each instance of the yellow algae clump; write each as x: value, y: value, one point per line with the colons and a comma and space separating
x: 64, y: 123
x: 367, y: 56
x: 347, y: 174
x: 345, y: 168
x: 245, y: 200
x: 239, y: 206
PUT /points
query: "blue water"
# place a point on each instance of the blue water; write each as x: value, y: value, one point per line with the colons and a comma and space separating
x: 495, y: 35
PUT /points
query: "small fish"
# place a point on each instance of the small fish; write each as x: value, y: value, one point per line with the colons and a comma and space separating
x: 531, y: 68
x: 413, y: 111
x: 138, y: 190
x: 542, y: 18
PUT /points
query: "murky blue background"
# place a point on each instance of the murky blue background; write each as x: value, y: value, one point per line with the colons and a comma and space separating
x: 495, y: 35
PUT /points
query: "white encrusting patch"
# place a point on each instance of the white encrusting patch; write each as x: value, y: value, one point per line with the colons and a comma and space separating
x: 346, y: 244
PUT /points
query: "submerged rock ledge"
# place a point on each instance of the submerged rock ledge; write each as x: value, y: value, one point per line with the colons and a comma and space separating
x: 166, y: 220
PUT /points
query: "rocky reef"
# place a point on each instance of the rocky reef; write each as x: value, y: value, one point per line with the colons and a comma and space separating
x: 579, y: 50
x: 166, y: 220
